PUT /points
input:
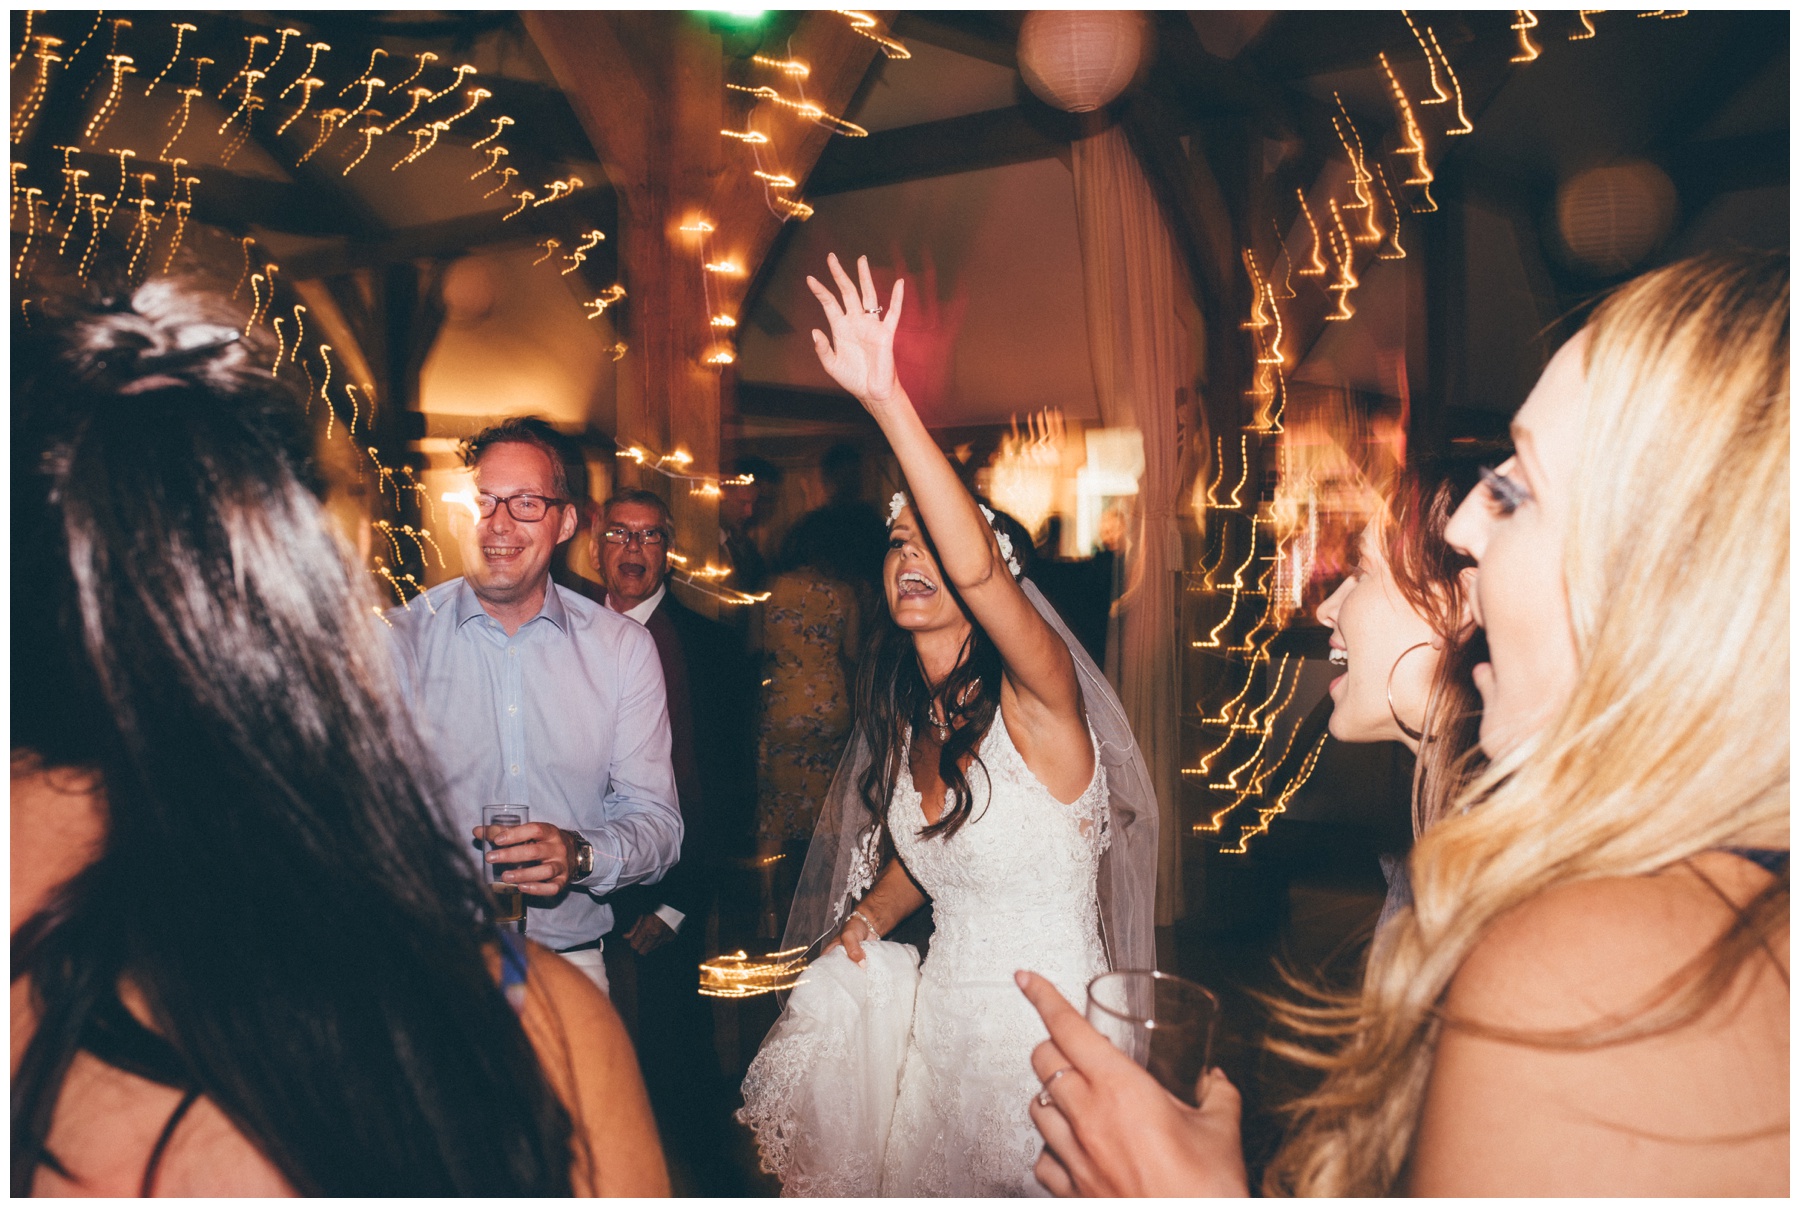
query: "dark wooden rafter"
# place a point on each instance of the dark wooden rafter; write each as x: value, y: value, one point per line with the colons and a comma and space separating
x: 456, y: 236
x: 991, y: 139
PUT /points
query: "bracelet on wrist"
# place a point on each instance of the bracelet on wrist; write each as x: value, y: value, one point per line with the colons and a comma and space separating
x: 874, y: 931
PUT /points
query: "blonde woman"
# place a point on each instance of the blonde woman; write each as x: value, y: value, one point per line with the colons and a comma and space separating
x: 1589, y: 994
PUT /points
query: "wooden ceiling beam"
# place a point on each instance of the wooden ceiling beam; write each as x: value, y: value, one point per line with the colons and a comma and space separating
x: 991, y: 139
x: 600, y: 77
x: 454, y: 236
x: 991, y: 37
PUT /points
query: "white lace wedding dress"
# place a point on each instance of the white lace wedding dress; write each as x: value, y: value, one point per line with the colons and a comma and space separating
x: 1014, y: 888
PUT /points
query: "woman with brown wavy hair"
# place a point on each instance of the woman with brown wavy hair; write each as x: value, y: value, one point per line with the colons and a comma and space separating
x: 1589, y: 993
x: 1401, y: 627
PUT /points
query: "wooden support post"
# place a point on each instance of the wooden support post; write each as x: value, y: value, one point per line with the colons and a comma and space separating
x: 649, y: 88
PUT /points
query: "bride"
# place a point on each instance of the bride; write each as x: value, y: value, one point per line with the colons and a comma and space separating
x: 991, y: 773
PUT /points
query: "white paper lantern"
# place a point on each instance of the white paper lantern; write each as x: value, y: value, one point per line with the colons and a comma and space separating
x: 1613, y: 216
x: 1078, y: 61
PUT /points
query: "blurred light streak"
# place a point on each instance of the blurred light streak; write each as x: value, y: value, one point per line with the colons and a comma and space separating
x: 1430, y: 63
x: 1527, y: 22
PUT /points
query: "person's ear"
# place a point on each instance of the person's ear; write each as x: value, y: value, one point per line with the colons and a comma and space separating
x: 571, y: 520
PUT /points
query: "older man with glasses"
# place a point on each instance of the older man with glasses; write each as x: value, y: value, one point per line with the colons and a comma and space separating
x: 529, y: 694
x: 711, y: 702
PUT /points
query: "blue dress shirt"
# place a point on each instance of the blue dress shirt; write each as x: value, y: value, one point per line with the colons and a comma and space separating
x: 568, y: 716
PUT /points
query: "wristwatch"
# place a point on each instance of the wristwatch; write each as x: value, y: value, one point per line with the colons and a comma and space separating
x: 584, y: 857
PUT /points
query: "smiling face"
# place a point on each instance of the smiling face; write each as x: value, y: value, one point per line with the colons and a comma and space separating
x: 507, y: 561
x: 1373, y: 632
x: 1513, y: 526
x: 918, y: 598
x: 633, y: 571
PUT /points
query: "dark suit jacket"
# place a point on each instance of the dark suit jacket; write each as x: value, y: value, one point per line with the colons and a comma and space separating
x: 712, y: 697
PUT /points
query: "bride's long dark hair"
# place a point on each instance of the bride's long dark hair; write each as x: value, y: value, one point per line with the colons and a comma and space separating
x: 892, y: 695
x: 190, y: 640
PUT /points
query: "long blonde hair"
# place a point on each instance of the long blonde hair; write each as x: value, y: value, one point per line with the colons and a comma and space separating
x: 1675, y: 739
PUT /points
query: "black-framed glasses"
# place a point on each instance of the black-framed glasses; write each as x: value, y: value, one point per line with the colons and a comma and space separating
x: 526, y: 508
x: 646, y: 538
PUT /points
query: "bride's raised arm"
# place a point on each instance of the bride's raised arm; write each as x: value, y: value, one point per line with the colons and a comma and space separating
x: 859, y: 354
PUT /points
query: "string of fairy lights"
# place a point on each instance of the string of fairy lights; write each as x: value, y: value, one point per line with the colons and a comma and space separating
x: 283, y: 80
x: 387, y: 111
x: 1359, y: 221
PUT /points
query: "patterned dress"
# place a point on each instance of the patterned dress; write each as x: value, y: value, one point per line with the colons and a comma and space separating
x: 808, y: 627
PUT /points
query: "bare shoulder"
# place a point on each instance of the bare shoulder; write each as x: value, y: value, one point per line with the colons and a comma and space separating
x: 106, y: 1126
x: 1580, y: 952
x: 1696, y: 1109
x: 590, y: 1063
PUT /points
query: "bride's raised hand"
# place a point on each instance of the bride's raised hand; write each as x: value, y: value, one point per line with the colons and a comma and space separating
x: 859, y: 355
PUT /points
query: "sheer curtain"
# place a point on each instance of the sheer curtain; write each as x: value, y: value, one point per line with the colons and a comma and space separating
x: 1141, y: 357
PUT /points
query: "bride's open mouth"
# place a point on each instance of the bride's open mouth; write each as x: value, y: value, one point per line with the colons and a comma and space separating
x: 912, y: 583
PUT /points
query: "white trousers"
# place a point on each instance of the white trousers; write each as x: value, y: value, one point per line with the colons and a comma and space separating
x: 592, y: 962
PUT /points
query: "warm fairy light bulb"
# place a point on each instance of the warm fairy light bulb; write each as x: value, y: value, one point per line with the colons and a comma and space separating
x: 779, y: 180
x: 1281, y: 802
x: 1431, y: 66
x: 610, y: 295
x: 864, y: 24
x: 1398, y: 252
x: 726, y: 267
x: 1213, y: 639
x: 1317, y: 266
x: 306, y: 73
x: 792, y: 67
x: 723, y: 321
x: 698, y: 227
x: 1587, y: 26
x: 376, y: 53
x: 1465, y: 126
x: 1523, y: 26
x: 424, y: 57
x: 181, y: 28
x: 746, y: 136
x: 500, y: 123
x: 720, y: 356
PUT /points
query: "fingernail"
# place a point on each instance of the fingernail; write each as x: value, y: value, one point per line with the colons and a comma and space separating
x: 1020, y: 977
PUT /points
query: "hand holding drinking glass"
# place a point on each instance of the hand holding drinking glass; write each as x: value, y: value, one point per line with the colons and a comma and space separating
x: 533, y: 857
x: 1111, y: 1129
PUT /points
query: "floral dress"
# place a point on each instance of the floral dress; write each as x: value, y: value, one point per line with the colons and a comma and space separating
x: 808, y: 627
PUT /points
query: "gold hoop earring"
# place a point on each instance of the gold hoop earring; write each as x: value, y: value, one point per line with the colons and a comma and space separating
x: 1405, y: 729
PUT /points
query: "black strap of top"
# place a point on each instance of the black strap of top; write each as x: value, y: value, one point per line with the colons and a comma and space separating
x: 1773, y: 860
x: 116, y: 1037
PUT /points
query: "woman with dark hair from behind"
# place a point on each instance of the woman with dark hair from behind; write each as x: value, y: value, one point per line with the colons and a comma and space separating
x: 246, y: 957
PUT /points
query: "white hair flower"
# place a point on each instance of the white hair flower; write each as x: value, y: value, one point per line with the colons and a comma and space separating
x: 1006, y: 548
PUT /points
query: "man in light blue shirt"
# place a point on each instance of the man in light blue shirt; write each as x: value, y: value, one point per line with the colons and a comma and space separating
x: 529, y: 694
